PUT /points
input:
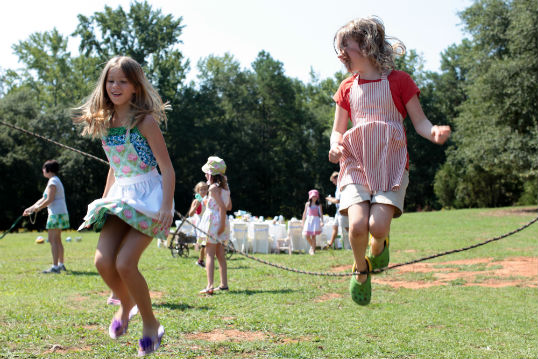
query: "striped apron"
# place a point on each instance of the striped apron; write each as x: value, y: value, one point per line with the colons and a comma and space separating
x: 375, y: 148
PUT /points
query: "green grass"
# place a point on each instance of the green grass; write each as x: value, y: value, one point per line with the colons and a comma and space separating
x: 280, y: 314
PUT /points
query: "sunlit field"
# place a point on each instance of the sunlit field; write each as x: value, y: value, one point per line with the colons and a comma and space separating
x: 480, y: 303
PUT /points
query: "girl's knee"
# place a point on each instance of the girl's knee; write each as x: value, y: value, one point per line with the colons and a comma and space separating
x: 379, y: 229
x: 125, y: 268
x: 358, y: 229
x: 103, y: 263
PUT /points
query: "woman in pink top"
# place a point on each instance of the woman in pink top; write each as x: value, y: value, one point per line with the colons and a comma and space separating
x: 373, y: 153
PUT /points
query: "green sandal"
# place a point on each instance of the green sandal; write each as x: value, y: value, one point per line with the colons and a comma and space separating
x: 382, y: 260
x: 361, y: 293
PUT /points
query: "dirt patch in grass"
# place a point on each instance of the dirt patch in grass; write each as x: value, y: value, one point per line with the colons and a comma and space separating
x: 327, y: 296
x: 346, y: 268
x: 78, y: 298
x: 230, y: 335
x: 482, y: 272
x: 57, y: 348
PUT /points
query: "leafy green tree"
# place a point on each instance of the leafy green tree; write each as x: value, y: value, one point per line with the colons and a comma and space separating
x: 497, y: 126
x: 260, y: 123
x: 142, y: 33
x: 48, y: 68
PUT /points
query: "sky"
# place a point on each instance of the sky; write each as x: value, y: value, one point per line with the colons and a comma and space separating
x: 298, y: 33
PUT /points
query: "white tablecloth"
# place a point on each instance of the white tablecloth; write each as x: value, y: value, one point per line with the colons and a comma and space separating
x: 261, y: 237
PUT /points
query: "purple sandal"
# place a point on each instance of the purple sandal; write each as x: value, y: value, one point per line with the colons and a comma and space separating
x: 148, y: 345
x: 117, y: 328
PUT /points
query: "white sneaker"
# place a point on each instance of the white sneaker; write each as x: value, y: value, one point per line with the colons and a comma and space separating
x: 52, y: 269
x: 311, y: 251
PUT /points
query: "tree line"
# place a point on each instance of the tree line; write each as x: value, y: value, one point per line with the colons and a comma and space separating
x: 272, y: 130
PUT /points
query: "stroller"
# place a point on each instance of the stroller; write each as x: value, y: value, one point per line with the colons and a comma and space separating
x: 179, y: 243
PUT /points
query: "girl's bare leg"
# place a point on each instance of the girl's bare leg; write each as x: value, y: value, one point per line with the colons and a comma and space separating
x: 312, y: 241
x: 358, y: 235
x: 56, y: 247
x: 379, y: 222
x: 333, y: 236
x: 210, y: 250
x: 221, y: 257
x: 110, y: 240
x: 129, y: 254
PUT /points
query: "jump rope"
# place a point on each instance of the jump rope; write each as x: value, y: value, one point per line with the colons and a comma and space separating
x: 275, y: 265
x: 32, y: 220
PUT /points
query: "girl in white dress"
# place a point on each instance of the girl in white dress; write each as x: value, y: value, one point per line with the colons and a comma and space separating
x: 215, y: 223
x: 312, y: 219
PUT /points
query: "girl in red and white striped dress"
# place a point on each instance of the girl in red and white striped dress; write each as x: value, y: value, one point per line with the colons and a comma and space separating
x: 373, y: 156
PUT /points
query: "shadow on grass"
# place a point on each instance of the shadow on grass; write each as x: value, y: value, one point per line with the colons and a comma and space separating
x: 237, y: 267
x: 74, y: 272
x: 178, y: 306
x: 262, y: 291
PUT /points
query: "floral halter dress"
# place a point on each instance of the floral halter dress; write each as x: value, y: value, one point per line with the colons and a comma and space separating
x: 210, y: 221
x: 136, y: 194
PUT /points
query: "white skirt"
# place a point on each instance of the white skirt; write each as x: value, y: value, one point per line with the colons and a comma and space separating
x: 136, y: 200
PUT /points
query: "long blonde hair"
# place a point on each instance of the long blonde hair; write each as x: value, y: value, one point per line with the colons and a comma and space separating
x: 96, y: 112
x: 369, y: 33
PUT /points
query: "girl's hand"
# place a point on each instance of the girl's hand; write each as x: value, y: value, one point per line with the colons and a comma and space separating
x: 28, y: 211
x: 440, y: 134
x: 335, y: 153
x: 165, y: 218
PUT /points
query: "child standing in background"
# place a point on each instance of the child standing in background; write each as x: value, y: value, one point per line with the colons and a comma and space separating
x: 373, y: 154
x: 137, y: 203
x: 312, y: 219
x: 337, y: 216
x: 58, y: 219
x: 215, y: 223
x: 195, y: 213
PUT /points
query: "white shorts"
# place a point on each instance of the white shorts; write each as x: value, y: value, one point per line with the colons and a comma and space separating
x: 337, y: 217
x: 340, y: 220
x: 355, y: 193
x: 343, y: 221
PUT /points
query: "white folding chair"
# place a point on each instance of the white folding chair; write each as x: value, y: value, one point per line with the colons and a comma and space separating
x: 326, y: 232
x: 295, y: 234
x: 239, y: 236
x: 280, y: 238
x: 261, y: 238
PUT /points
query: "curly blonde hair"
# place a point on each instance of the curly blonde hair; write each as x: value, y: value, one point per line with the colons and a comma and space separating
x: 369, y: 33
x: 96, y: 112
x: 199, y: 186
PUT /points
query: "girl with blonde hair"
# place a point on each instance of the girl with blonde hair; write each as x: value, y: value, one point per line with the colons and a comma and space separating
x: 137, y: 204
x: 374, y: 163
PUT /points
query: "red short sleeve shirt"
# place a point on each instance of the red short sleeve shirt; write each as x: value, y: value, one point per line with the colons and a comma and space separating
x: 402, y: 88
